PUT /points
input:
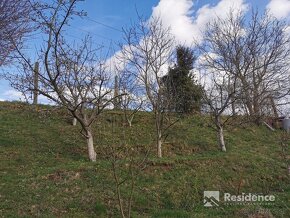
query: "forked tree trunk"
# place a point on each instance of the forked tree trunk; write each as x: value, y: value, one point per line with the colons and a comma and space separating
x: 74, y: 122
x: 130, y: 120
x: 221, y: 139
x: 91, y: 149
x: 130, y: 123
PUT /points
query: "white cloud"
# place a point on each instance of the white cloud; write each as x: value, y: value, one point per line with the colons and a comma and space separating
x: 279, y: 8
x: 116, y: 63
x: 178, y: 15
x: 185, y: 26
x: 13, y: 95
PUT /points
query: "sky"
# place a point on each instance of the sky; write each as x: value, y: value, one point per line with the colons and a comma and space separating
x: 186, y: 18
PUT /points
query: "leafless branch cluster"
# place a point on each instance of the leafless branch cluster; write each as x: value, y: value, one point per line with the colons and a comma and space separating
x: 148, y: 49
x: 132, y: 100
x: 73, y: 76
x: 15, y: 24
x: 249, y: 61
x: 126, y: 165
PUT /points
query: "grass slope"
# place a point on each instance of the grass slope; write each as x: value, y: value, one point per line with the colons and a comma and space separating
x: 44, y: 169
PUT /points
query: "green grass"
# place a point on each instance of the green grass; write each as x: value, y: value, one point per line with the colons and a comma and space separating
x: 44, y: 169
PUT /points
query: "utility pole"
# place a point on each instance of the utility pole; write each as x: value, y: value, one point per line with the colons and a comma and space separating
x: 35, y: 81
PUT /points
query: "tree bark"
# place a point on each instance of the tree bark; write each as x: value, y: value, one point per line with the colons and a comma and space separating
x: 221, y: 139
x: 130, y: 123
x: 275, y: 112
x: 35, y: 81
x: 74, y: 122
x: 159, y: 145
x: 91, y: 149
x: 233, y: 108
x: 130, y: 120
x: 274, y: 107
x: 158, y: 124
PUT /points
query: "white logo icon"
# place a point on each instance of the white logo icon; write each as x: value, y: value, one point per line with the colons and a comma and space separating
x: 211, y: 198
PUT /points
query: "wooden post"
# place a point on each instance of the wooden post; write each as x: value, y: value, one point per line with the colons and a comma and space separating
x: 36, y: 75
x: 116, y: 94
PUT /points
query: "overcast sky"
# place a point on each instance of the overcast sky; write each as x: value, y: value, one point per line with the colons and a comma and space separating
x: 187, y: 18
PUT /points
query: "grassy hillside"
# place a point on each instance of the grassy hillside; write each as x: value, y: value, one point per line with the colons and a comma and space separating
x: 44, y: 169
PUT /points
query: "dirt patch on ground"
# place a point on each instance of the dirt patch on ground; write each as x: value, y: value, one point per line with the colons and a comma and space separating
x: 61, y: 175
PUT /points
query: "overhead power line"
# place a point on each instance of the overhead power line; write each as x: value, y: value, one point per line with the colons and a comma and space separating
x: 103, y: 24
x: 102, y: 45
x: 98, y: 35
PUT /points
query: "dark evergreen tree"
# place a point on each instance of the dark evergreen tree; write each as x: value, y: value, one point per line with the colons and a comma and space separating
x: 181, y: 88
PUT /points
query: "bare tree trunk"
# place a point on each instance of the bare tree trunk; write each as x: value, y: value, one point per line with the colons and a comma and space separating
x: 233, y: 97
x: 220, y: 130
x: 130, y: 122
x: 247, y: 96
x: 118, y: 190
x: 158, y: 123
x: 159, y: 145
x: 91, y: 149
x: 36, y: 75
x: 274, y: 107
x: 74, y: 122
x: 249, y: 106
x: 233, y: 108
x: 275, y: 112
x: 129, y: 118
x: 221, y: 139
x: 256, y: 106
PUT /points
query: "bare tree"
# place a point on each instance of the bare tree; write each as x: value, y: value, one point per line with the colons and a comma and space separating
x: 127, y: 162
x: 256, y: 53
x: 126, y: 166
x: 74, y: 77
x: 218, y: 97
x: 14, y: 26
x: 148, y: 49
x: 132, y: 100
